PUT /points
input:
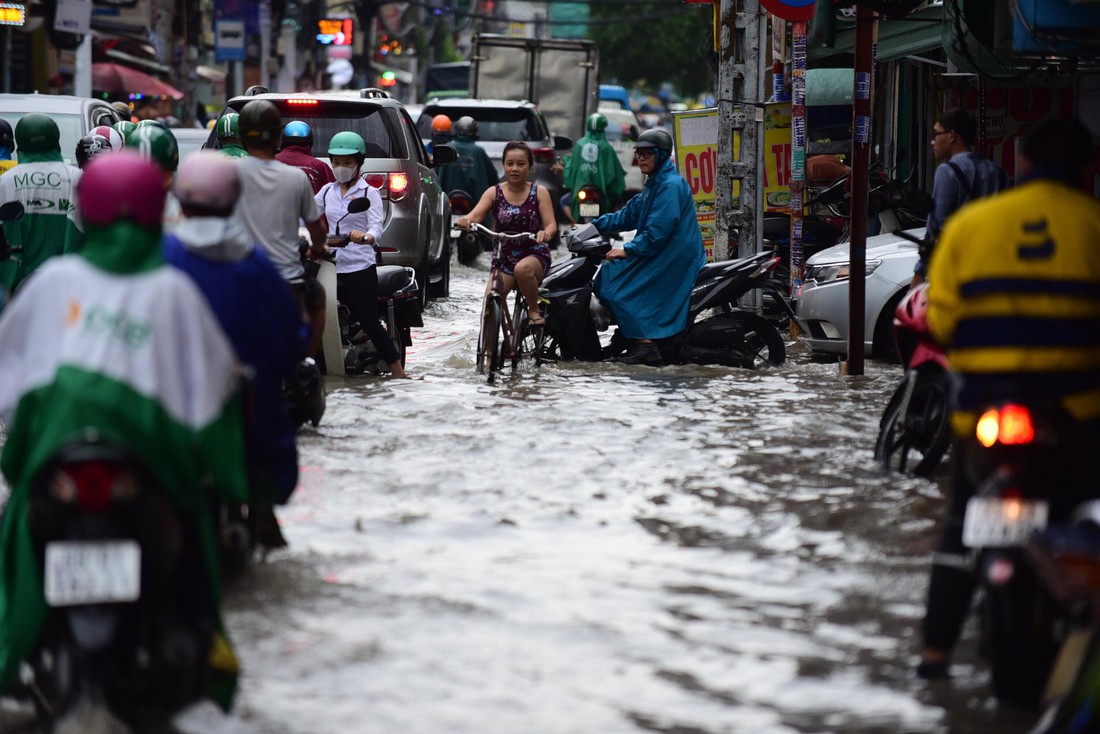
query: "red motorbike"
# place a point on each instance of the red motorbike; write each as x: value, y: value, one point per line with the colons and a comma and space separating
x: 914, y: 432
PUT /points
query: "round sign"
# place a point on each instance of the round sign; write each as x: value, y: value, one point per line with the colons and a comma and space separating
x: 341, y: 71
x: 790, y: 9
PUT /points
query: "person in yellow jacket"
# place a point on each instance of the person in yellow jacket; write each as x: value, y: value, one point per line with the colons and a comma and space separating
x: 1014, y: 296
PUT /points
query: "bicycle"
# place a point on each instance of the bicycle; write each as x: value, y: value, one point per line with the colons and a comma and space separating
x: 503, y: 335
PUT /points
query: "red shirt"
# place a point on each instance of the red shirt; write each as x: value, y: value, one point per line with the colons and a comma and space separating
x: 318, y: 173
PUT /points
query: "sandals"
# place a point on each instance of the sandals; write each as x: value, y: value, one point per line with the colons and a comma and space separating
x: 534, y: 321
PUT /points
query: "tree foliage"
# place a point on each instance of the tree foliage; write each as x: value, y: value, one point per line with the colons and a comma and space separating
x: 646, y: 44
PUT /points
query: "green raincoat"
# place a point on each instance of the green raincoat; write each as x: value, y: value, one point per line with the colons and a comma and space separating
x: 593, y: 161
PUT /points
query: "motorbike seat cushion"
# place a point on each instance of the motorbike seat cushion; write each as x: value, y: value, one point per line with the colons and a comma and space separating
x: 392, y: 278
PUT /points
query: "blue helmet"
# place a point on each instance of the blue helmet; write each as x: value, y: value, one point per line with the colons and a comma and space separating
x: 297, y: 132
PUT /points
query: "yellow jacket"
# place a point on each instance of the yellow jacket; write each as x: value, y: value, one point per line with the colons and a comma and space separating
x: 1014, y: 292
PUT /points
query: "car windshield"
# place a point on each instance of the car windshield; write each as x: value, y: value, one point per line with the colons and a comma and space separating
x: 493, y: 125
x: 331, y: 117
x: 71, y: 128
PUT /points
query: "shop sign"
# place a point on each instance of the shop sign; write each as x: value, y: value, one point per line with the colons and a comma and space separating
x: 13, y: 14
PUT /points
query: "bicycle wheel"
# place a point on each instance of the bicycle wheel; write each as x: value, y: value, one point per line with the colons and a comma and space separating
x: 916, y: 440
x: 488, y: 341
x: 521, y: 331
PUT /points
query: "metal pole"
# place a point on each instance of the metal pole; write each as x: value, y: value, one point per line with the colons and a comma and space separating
x: 866, y: 34
x: 799, y: 51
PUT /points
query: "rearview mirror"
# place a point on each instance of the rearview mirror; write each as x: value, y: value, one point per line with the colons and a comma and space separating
x: 443, y: 155
x: 358, y: 205
x: 11, y: 211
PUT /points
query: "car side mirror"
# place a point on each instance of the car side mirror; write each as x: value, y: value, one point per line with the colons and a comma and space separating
x: 562, y: 142
x: 444, y: 155
x: 632, y: 133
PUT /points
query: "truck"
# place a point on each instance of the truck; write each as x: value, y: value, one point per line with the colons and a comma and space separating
x: 446, y: 80
x: 561, y: 76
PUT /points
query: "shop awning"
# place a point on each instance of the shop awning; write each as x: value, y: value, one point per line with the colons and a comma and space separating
x: 918, y: 32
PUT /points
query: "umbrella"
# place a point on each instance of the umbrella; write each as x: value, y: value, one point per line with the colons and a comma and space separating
x: 111, y: 77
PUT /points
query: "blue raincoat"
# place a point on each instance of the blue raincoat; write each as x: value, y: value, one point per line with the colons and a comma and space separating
x: 649, y: 291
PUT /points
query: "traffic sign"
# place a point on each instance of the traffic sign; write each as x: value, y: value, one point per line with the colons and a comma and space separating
x: 790, y: 9
x: 229, y: 40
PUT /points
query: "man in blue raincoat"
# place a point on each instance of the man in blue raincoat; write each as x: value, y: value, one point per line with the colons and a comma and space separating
x: 647, y: 282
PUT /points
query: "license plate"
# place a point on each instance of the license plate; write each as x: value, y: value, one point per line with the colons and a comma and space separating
x: 997, y: 522
x: 590, y: 210
x: 92, y: 572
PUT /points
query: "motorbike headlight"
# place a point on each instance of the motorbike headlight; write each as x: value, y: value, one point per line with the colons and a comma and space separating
x: 840, y: 271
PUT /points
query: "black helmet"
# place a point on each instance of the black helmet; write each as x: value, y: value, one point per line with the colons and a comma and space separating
x: 466, y: 127
x: 655, y: 138
x: 7, y: 137
x: 90, y: 146
x: 260, y: 122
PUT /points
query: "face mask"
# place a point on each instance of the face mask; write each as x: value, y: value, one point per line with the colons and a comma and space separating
x: 343, y: 174
x: 219, y: 238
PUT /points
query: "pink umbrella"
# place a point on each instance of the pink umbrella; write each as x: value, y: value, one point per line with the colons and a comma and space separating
x: 110, y: 77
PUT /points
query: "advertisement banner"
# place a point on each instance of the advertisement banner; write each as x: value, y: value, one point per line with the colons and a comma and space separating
x: 777, y: 157
x: 696, y: 137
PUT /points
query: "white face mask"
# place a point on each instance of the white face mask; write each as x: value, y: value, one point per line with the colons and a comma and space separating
x: 343, y: 174
x: 219, y: 238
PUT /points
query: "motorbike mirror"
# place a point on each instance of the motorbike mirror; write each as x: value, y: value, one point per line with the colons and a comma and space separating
x: 444, y: 155
x: 359, y: 205
x: 11, y: 212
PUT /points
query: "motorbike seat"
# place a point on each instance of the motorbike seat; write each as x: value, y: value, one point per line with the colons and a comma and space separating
x: 392, y: 278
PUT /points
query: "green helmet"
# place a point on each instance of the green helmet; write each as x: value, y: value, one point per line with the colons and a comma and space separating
x: 157, y: 143
x: 124, y: 127
x: 37, y: 133
x: 260, y: 121
x: 147, y: 123
x: 347, y: 143
x: 596, y: 123
x: 228, y: 126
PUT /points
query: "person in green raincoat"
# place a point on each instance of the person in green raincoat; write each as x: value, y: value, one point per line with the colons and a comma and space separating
x: 45, y: 184
x: 228, y: 132
x: 115, y: 340
x: 473, y: 171
x: 594, y: 161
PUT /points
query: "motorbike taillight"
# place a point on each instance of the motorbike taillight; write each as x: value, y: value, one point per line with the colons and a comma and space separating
x: 92, y: 484
x: 1009, y: 425
x: 543, y: 155
x: 461, y: 204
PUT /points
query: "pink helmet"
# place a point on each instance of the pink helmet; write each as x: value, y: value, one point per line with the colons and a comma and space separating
x: 208, y: 179
x: 121, y: 186
x: 912, y: 312
x: 114, y: 137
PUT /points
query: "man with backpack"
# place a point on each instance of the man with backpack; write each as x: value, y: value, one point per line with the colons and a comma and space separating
x: 964, y: 176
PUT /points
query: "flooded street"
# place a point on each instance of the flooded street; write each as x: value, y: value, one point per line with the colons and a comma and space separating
x: 596, y: 549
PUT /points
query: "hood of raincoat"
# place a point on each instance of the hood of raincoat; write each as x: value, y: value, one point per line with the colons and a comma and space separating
x: 44, y: 156
x: 123, y: 247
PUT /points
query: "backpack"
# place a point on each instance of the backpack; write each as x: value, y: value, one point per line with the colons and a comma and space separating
x: 972, y: 193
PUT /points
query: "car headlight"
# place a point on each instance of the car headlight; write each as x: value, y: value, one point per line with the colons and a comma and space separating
x: 839, y: 271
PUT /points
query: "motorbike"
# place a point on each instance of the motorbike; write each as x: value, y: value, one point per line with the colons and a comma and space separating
x: 718, y: 332
x: 345, y: 345
x: 465, y: 243
x: 131, y: 616
x: 914, y: 432
x: 591, y: 203
x: 1026, y: 459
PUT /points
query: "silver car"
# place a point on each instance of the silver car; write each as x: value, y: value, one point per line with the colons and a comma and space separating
x: 74, y: 116
x: 823, y: 302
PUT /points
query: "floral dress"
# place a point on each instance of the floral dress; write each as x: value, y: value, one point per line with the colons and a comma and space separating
x: 523, y: 218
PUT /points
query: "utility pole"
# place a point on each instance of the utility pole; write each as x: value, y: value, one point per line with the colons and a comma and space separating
x: 742, y: 27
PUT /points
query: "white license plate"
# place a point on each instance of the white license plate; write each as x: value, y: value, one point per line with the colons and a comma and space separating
x: 590, y: 210
x: 997, y: 522
x: 92, y: 572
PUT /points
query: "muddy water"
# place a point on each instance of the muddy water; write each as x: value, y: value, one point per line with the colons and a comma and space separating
x: 596, y: 548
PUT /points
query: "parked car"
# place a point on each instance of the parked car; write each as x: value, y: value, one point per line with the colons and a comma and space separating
x: 622, y: 131
x: 500, y: 121
x: 822, y: 305
x: 417, y: 217
x: 74, y: 116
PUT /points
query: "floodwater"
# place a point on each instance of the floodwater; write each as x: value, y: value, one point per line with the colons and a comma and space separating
x: 584, y: 549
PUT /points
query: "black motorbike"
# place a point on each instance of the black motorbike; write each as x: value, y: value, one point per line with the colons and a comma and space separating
x: 131, y: 616
x: 591, y: 203
x: 1020, y: 459
x: 719, y: 331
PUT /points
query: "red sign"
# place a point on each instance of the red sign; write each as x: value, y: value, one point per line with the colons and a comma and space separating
x: 790, y: 9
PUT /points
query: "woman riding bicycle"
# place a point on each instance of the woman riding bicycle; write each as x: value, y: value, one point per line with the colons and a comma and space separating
x: 356, y: 264
x: 519, y: 206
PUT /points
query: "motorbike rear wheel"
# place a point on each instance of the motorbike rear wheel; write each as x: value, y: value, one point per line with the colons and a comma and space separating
x: 915, y: 441
x: 763, y: 343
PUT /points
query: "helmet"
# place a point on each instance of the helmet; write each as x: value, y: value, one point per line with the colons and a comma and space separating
x: 912, y: 312
x: 466, y: 126
x: 158, y: 143
x: 114, y: 137
x: 655, y: 138
x: 596, y: 123
x: 121, y: 186
x: 36, y: 133
x: 124, y: 128
x: 441, y: 124
x: 207, y: 179
x: 90, y: 146
x: 228, y: 125
x: 151, y: 123
x: 297, y: 133
x: 347, y: 143
x: 122, y: 107
x: 7, y: 138
x: 260, y: 121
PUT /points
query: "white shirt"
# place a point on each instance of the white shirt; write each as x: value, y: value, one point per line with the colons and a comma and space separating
x: 334, y: 205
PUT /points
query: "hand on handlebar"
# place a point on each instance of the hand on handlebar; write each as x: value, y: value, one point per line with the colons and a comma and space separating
x: 616, y: 253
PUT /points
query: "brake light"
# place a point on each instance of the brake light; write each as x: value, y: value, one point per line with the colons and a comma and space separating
x: 303, y: 102
x: 543, y: 155
x: 377, y: 180
x: 1010, y: 425
x: 93, y: 484
x: 461, y: 204
x: 399, y: 185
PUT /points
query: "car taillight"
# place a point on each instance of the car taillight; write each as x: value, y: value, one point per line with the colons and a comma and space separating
x: 377, y: 180
x: 1009, y: 425
x: 93, y: 485
x: 543, y: 155
x: 398, y: 185
x: 303, y: 102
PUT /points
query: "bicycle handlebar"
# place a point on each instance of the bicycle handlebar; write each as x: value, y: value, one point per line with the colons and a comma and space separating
x: 502, y: 235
